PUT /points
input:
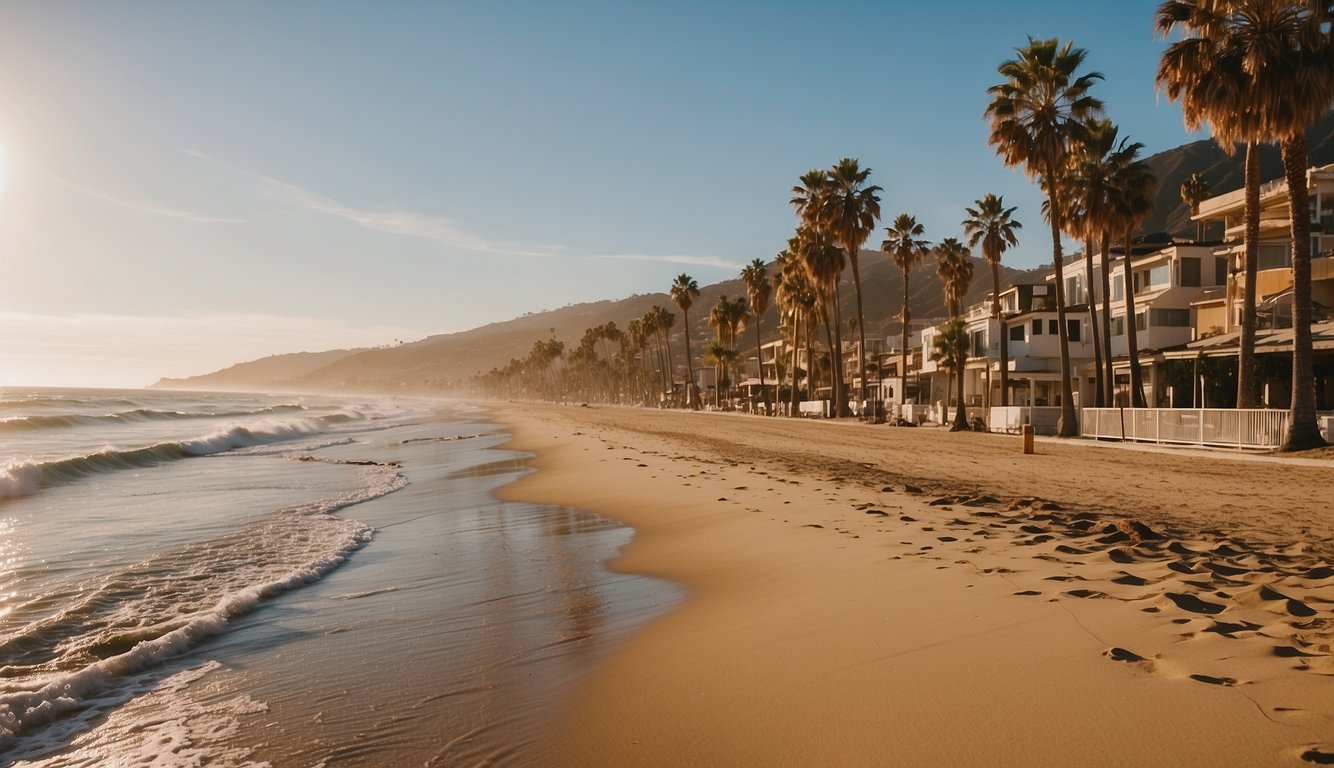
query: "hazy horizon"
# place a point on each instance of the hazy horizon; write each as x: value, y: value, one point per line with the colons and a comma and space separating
x: 186, y: 186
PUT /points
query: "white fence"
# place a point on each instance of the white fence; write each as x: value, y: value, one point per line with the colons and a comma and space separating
x: 1235, y: 428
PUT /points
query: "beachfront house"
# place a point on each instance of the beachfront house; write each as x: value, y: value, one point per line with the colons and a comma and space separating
x: 1216, y: 314
x: 1273, y: 283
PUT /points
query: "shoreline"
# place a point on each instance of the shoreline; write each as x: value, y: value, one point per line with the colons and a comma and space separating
x: 939, y: 598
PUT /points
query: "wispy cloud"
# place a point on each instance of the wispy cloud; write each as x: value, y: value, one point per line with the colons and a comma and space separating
x: 435, y: 228
x: 695, y: 261
x: 144, y: 207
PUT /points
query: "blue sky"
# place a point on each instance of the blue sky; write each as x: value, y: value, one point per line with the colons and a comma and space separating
x: 186, y: 185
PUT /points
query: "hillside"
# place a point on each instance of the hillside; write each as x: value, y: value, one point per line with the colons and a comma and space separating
x: 436, y: 361
x: 1223, y: 173
x: 281, y: 372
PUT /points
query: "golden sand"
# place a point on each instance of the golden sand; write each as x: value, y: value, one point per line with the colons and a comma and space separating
x: 867, y: 596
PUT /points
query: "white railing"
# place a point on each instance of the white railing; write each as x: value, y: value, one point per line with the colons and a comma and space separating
x: 1225, y: 427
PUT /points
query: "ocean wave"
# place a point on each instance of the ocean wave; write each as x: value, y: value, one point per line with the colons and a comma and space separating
x: 157, y: 610
x: 136, y: 415
x: 23, y: 478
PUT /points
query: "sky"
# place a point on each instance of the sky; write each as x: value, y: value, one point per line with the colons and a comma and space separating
x: 186, y: 185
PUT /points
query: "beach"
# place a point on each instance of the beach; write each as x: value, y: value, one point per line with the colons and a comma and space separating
x: 870, y: 595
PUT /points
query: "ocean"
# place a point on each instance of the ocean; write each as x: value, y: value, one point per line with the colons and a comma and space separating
x: 245, y: 580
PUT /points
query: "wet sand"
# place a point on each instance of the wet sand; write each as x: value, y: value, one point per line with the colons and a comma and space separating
x: 447, y: 640
x: 862, y: 595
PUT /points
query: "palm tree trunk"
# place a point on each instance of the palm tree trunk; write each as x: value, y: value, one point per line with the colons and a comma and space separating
x: 1109, y: 380
x: 792, y: 395
x: 1303, y: 432
x: 1004, y: 350
x: 1093, y: 322
x: 1132, y: 337
x: 759, y: 362
x: 906, y: 317
x: 692, y: 393
x: 960, y: 412
x: 1246, y: 389
x: 861, y: 324
x: 836, y: 360
x: 1069, y: 426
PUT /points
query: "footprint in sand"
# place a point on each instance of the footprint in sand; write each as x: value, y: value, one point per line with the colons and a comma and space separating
x: 1121, y: 654
x: 1211, y: 680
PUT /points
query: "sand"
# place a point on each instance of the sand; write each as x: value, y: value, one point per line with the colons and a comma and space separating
x: 866, y: 595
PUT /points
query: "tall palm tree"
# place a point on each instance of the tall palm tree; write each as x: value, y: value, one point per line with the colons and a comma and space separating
x: 796, y: 298
x: 664, y: 319
x: 1206, y: 71
x: 954, y: 266
x: 1092, y: 164
x: 684, y: 291
x: 850, y: 210
x: 1133, y: 190
x: 1195, y: 190
x: 904, y: 244
x: 824, y: 267
x: 1034, y: 114
x: 991, y: 226
x: 758, y: 290
x: 949, y: 348
x: 1260, y: 70
x: 722, y: 356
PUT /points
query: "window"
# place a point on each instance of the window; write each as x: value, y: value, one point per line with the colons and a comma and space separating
x: 1220, y: 271
x: 1118, y: 286
x: 1072, y: 329
x: 1190, y: 273
x: 1016, y: 333
x: 1053, y: 327
x: 1074, y: 290
x: 1118, y: 326
x: 1171, y: 318
x: 1037, y: 327
x: 1274, y: 256
x: 1141, y: 321
x: 979, y: 339
x: 1158, y: 277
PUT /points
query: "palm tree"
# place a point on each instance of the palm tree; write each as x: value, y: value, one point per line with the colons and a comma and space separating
x: 664, y: 319
x: 824, y: 267
x: 637, y: 339
x: 903, y: 242
x: 1206, y: 71
x: 1260, y: 70
x: 808, y: 198
x: 796, y: 298
x: 991, y: 226
x: 949, y: 349
x: 758, y: 289
x: 1195, y: 190
x: 684, y: 291
x: 1133, y: 189
x: 1034, y: 114
x: 850, y: 210
x: 1094, y: 217
x: 954, y: 266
